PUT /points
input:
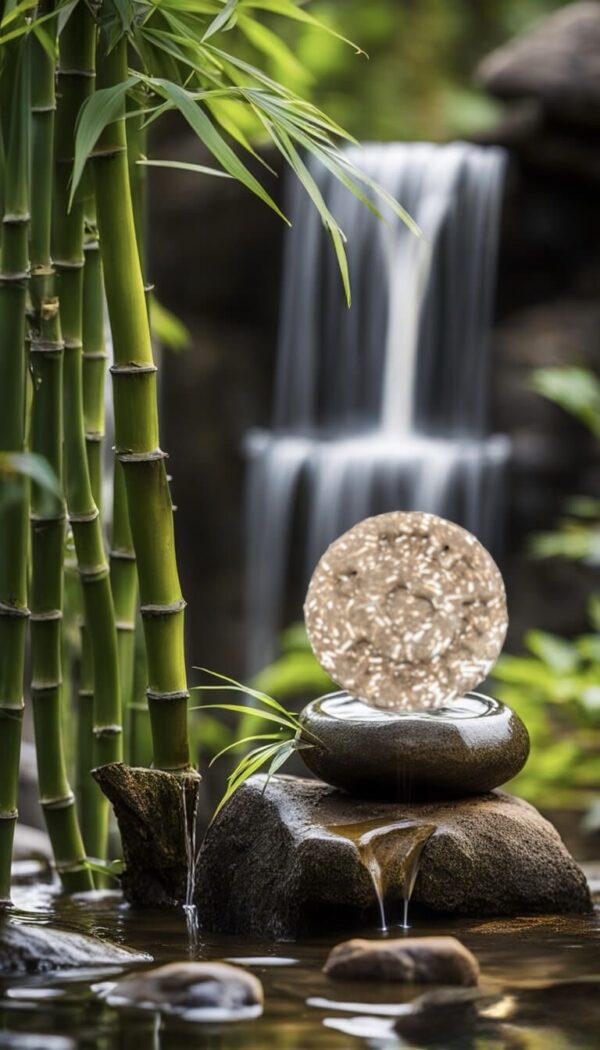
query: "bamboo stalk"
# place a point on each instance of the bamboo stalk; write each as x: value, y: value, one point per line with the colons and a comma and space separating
x: 75, y: 81
x: 14, y: 275
x: 94, y: 350
x: 137, y: 437
x: 48, y: 514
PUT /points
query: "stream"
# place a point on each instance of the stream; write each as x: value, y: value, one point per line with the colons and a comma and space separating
x: 540, y: 979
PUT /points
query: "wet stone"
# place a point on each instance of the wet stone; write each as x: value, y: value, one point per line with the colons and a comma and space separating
x: 416, y: 960
x: 28, y: 949
x: 197, y: 990
x: 406, y: 610
x: 467, y: 747
x: 438, y: 1017
x: 272, y: 863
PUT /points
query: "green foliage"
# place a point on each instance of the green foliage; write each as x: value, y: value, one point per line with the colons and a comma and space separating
x: 167, y: 328
x: 577, y: 391
x: 555, y: 688
x: 281, y: 745
x: 296, y: 673
x: 222, y: 95
x: 16, y: 465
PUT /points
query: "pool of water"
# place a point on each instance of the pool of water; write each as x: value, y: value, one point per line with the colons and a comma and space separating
x: 540, y: 976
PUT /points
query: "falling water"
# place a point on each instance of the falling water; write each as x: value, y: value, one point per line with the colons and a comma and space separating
x: 391, y: 853
x: 383, y: 406
x: 189, y: 907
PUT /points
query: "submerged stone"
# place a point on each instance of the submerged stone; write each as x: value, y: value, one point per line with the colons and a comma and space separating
x: 467, y: 747
x: 272, y: 864
x: 29, y: 949
x: 431, y: 960
x: 206, y: 990
x: 440, y: 1016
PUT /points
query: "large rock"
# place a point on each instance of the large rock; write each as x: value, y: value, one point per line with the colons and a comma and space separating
x: 156, y: 813
x: 417, y: 960
x: 557, y: 62
x: 271, y: 864
x: 204, y: 990
x: 28, y: 949
x: 467, y: 747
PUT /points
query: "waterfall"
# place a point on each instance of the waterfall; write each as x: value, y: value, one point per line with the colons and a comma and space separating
x: 382, y: 406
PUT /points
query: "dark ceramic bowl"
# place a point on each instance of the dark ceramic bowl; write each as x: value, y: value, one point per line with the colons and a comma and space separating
x: 468, y: 747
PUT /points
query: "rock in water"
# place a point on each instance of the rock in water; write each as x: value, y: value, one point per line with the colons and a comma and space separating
x: 156, y: 813
x: 195, y: 990
x: 466, y: 747
x: 28, y: 949
x: 417, y: 960
x: 271, y: 865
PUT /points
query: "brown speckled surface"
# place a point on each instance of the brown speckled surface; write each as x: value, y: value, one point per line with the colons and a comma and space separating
x: 406, y: 610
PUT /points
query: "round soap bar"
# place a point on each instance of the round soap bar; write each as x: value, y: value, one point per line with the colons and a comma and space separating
x: 466, y: 747
x: 406, y: 610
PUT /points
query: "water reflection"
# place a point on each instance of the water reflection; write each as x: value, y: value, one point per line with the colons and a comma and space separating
x: 540, y: 985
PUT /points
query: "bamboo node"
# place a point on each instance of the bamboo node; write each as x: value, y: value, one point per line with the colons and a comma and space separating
x: 168, y: 609
x: 108, y: 730
x: 45, y: 346
x: 95, y: 355
x: 131, y: 368
x: 8, y: 710
x: 18, y: 277
x: 51, y: 614
x: 118, y: 554
x: 83, y: 517
x: 85, y: 694
x: 94, y: 435
x: 9, y: 814
x: 71, y: 867
x: 92, y: 573
x: 40, y: 520
x: 45, y: 687
x: 140, y: 457
x: 16, y: 218
x: 124, y: 625
x: 18, y: 611
x: 177, y: 694
x: 60, y: 802
x: 69, y: 264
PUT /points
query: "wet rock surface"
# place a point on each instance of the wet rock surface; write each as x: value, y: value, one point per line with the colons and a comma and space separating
x: 209, y: 989
x: 29, y: 949
x: 467, y: 747
x: 156, y: 813
x: 427, y: 960
x: 271, y: 865
x: 440, y: 1016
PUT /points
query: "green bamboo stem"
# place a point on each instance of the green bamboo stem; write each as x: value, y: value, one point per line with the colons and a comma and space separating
x: 75, y: 80
x: 137, y: 437
x: 48, y: 513
x: 139, y: 728
x: 123, y: 579
x: 14, y: 273
x: 94, y: 351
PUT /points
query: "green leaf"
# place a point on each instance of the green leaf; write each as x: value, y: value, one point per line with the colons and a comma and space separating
x: 32, y: 466
x: 576, y: 390
x: 251, y: 712
x: 201, y: 124
x: 99, y: 110
x: 559, y: 654
x: 242, y: 741
x: 183, y: 165
x: 111, y: 868
x: 167, y: 329
x: 288, y: 9
x: 224, y: 20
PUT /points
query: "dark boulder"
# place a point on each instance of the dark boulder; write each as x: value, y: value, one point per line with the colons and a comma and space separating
x: 29, y: 949
x: 273, y: 865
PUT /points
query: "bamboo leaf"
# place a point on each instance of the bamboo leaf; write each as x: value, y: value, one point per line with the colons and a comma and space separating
x: 99, y: 110
x: 224, y: 20
x: 184, y: 166
x: 241, y: 688
x: 252, y: 712
x: 32, y: 466
x: 167, y: 328
x: 243, y: 740
x: 288, y: 9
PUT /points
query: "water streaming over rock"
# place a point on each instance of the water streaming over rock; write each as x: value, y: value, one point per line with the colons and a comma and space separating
x: 390, y: 851
x: 190, y: 909
x: 383, y: 406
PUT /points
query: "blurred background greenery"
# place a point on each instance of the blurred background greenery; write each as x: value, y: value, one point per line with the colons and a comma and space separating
x: 418, y: 73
